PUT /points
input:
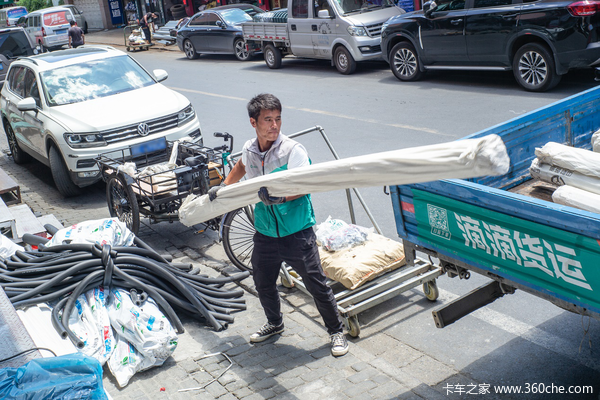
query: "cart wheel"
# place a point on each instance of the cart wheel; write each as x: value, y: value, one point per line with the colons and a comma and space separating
x: 431, y: 290
x: 122, y: 203
x: 128, y: 48
x: 353, y: 326
x: 238, y: 234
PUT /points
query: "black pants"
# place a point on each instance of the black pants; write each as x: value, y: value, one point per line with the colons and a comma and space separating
x: 146, y: 30
x: 300, y: 252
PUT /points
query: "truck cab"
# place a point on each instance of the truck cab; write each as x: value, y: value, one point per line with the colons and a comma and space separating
x: 343, y: 31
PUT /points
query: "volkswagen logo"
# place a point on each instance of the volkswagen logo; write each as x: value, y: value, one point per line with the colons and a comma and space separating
x: 143, y: 129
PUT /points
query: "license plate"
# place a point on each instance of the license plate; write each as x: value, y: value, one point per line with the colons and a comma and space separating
x: 61, y: 31
x: 149, y: 147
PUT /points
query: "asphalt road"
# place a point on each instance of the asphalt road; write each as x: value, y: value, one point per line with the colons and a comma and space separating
x: 518, y: 340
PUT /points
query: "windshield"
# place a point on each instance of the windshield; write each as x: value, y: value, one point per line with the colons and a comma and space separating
x: 15, y: 44
x: 235, y: 16
x: 92, y: 80
x: 348, y: 6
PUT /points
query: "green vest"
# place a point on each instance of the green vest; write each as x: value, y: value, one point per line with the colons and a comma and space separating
x: 280, y: 220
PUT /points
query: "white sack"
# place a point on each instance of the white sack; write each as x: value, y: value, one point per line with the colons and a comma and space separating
x: 101, y: 231
x: 596, y: 141
x: 561, y: 176
x: 144, y: 327
x: 90, y: 322
x: 578, y: 198
x: 580, y: 160
x: 8, y: 247
x: 459, y: 159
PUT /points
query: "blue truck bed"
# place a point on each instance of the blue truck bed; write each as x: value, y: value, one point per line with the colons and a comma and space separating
x: 479, y: 225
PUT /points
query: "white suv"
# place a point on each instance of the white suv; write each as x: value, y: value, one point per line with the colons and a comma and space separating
x: 65, y: 107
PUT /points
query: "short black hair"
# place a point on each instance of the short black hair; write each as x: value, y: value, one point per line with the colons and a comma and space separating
x: 73, y: 23
x: 263, y: 101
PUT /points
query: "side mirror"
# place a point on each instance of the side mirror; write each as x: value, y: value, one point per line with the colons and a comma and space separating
x: 323, y: 14
x: 221, y: 24
x: 428, y: 8
x: 160, y: 74
x: 27, y: 104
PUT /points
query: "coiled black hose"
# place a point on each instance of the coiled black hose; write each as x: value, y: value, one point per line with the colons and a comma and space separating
x: 62, y: 273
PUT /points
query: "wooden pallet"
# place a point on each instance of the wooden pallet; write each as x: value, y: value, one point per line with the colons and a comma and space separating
x: 10, y: 191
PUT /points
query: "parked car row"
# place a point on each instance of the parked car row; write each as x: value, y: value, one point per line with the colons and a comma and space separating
x: 538, y: 40
x: 65, y: 107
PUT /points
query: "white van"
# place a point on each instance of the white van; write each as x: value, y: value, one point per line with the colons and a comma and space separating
x: 10, y: 15
x: 49, y: 27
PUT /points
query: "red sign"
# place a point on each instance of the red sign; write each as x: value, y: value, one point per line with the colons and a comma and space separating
x: 56, y: 18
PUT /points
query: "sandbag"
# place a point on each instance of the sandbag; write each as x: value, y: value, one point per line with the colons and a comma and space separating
x: 561, y: 176
x: 354, y: 266
x: 459, y: 159
x: 578, y: 198
x: 579, y: 160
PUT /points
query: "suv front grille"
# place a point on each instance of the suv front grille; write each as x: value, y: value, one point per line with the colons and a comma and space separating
x: 131, y: 131
x: 374, y: 30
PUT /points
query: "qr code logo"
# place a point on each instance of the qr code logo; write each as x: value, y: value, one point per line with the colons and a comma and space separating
x: 438, y: 220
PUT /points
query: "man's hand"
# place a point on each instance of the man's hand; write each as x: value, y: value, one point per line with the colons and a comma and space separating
x: 263, y: 195
x: 212, y: 192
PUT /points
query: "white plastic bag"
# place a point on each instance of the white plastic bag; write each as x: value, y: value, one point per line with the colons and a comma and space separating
x: 145, y: 327
x: 578, y: 198
x: 579, y: 160
x: 89, y: 320
x: 335, y: 234
x: 124, y: 362
x: 101, y: 231
x: 8, y: 247
x: 596, y: 141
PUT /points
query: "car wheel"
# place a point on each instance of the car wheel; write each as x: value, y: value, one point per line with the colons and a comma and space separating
x: 85, y: 29
x: 189, y: 50
x: 344, y: 62
x: 19, y: 156
x: 404, y: 62
x: 240, y: 50
x: 272, y: 56
x: 60, y: 174
x: 534, y: 70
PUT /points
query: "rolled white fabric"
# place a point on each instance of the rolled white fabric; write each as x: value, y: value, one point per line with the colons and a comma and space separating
x: 596, y: 141
x: 578, y: 198
x: 579, y: 160
x: 459, y: 159
x: 560, y: 176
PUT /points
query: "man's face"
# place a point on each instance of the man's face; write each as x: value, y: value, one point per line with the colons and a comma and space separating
x: 267, y: 126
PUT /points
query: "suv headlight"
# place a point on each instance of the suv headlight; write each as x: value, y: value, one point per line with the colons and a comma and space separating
x: 357, y: 30
x: 185, y: 115
x: 79, y: 140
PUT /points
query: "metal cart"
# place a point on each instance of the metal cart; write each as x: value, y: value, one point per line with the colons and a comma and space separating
x: 132, y: 46
x: 158, y: 194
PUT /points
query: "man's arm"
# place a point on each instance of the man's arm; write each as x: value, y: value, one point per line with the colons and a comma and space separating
x: 82, y: 37
x: 237, y: 173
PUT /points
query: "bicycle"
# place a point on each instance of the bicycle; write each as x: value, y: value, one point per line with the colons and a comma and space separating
x: 140, y: 180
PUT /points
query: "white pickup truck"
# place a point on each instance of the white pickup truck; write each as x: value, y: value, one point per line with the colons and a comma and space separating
x: 343, y: 31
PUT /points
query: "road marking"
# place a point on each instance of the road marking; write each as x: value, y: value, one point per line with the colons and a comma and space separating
x: 330, y: 114
x: 533, y: 334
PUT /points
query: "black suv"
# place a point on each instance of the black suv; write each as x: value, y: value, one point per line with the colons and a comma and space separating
x: 14, y: 43
x: 538, y: 40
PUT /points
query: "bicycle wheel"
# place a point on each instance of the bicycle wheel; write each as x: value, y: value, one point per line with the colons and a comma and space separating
x: 122, y: 203
x: 238, y: 233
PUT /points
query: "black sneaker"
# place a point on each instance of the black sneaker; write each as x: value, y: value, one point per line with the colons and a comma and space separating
x: 339, y: 344
x: 266, y: 332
